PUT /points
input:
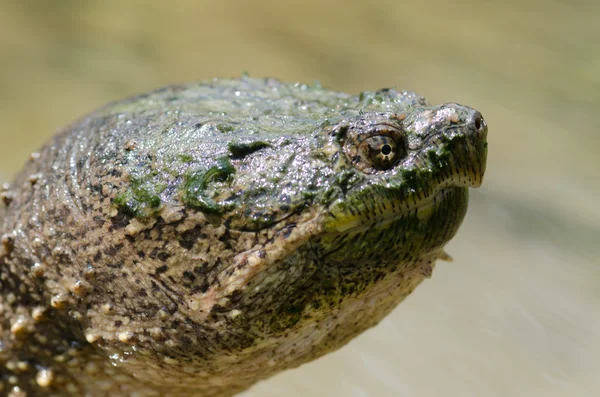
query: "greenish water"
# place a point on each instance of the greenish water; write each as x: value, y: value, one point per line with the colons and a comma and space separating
x: 516, y: 314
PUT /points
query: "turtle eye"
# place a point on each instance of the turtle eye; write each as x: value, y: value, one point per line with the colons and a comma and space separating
x: 374, y: 142
x: 381, y: 151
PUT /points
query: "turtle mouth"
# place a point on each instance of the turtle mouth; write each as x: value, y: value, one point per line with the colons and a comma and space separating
x: 399, y: 235
x: 377, y: 206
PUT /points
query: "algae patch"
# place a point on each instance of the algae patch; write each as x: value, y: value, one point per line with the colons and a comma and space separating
x: 224, y: 128
x: 141, y: 200
x: 197, y: 190
x: 242, y: 149
x: 185, y: 158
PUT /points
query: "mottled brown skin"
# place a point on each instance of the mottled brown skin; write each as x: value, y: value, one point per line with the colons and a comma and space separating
x: 197, y: 239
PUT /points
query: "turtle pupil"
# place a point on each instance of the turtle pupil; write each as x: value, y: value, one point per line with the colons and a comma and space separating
x: 386, y: 149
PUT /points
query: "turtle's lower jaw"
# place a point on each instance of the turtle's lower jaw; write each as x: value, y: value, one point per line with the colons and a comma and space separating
x: 395, y: 239
x: 416, y: 193
x: 468, y: 172
x: 375, y: 213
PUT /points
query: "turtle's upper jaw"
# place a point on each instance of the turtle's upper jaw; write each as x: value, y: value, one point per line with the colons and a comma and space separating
x: 465, y: 143
x: 439, y: 149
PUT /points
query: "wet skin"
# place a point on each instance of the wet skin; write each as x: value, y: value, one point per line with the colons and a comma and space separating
x: 199, y: 238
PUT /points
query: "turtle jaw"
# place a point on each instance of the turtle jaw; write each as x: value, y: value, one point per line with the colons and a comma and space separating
x: 381, y: 204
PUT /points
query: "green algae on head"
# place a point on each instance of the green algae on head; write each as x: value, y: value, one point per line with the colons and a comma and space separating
x: 196, y: 183
x: 198, y: 238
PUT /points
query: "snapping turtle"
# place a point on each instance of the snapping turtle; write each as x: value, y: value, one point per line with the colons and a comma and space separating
x: 198, y: 238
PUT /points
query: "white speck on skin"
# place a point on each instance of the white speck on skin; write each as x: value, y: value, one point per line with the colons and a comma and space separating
x: 45, y: 377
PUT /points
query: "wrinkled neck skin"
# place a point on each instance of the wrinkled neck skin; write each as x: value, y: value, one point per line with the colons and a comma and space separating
x: 88, y: 347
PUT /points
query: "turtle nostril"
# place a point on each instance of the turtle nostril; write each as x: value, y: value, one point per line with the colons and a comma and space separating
x: 478, y: 122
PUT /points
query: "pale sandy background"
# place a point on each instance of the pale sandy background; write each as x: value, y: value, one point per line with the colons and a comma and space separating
x: 518, y: 312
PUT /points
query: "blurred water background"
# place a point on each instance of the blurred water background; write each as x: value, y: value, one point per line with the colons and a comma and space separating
x: 518, y: 312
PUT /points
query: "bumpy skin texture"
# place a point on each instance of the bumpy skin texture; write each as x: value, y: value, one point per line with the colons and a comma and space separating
x: 198, y: 238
